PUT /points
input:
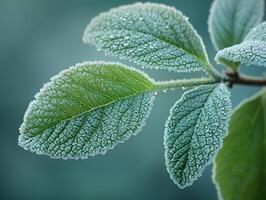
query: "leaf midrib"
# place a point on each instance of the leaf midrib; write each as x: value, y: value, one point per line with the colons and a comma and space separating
x: 202, y: 61
x: 152, y: 89
x: 201, y: 108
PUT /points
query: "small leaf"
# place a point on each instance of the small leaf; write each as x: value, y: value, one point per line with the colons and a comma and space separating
x: 87, y: 110
x: 194, y: 132
x: 149, y: 34
x: 240, y: 170
x: 252, y: 51
x: 231, y: 20
x: 258, y: 33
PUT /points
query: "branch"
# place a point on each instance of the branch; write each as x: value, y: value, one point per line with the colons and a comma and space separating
x: 235, y: 78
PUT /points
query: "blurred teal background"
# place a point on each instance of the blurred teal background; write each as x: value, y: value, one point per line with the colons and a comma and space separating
x: 39, y: 38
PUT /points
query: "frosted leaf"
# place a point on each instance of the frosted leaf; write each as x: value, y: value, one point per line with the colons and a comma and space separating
x: 87, y: 110
x: 231, y: 20
x: 258, y: 33
x: 150, y: 34
x: 240, y: 170
x: 252, y: 51
x: 194, y: 131
x: 247, y: 53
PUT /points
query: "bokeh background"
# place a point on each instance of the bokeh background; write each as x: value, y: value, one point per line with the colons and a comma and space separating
x: 38, y: 39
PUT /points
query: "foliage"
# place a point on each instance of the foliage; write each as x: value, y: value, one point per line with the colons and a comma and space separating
x: 231, y: 20
x: 193, y: 134
x: 251, y: 51
x: 91, y: 107
x: 151, y: 35
x: 87, y: 110
x: 244, y: 152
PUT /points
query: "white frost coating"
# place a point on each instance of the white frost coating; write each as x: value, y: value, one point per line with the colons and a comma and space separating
x: 258, y: 33
x: 152, y: 35
x: 252, y: 51
x: 94, y: 132
x: 248, y: 53
x: 231, y: 20
x: 194, y: 131
x: 86, y: 110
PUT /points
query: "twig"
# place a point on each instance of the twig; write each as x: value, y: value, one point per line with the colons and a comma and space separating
x: 235, y: 78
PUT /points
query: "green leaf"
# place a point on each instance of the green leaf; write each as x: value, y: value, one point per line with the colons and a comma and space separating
x: 194, y: 131
x: 252, y: 51
x: 231, y: 20
x: 240, y: 167
x: 87, y: 110
x: 149, y: 34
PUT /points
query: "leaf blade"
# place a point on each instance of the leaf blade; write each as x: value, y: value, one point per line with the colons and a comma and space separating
x: 240, y: 170
x: 192, y: 134
x: 149, y: 34
x: 60, y: 120
x: 252, y: 51
x: 231, y: 20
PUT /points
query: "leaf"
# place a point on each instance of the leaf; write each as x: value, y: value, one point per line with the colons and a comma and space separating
x: 194, y: 132
x: 257, y: 33
x: 247, y: 53
x: 87, y: 110
x: 240, y: 170
x: 252, y: 51
x: 231, y: 20
x: 149, y: 34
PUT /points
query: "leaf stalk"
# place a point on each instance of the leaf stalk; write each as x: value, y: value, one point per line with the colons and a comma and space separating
x: 185, y: 83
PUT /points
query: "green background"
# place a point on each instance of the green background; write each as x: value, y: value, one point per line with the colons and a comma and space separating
x: 37, y: 40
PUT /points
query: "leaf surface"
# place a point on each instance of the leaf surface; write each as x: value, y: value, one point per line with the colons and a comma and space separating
x: 231, y: 20
x: 194, y: 131
x: 240, y: 166
x: 149, y: 34
x: 87, y: 110
x: 252, y: 51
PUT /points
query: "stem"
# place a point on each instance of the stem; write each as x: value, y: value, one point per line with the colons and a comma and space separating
x: 166, y: 85
x: 235, y: 78
x: 232, y: 78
